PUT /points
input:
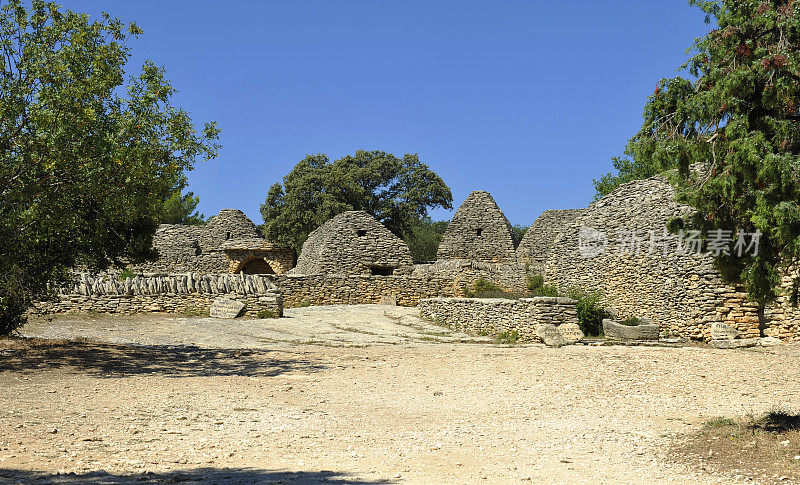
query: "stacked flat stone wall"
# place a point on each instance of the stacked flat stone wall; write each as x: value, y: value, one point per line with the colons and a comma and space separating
x: 680, y: 291
x: 153, y: 293
x: 492, y: 316
x: 512, y: 277
x: 356, y: 289
x: 192, y: 292
x: 538, y: 239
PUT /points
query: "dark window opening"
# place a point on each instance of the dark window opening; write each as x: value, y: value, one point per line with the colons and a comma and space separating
x: 227, y: 236
x: 361, y: 232
x: 479, y: 231
x: 197, y: 250
x: 381, y: 270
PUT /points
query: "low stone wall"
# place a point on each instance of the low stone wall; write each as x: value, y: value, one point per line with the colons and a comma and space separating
x: 493, y: 316
x: 189, y: 293
x: 194, y: 293
x: 354, y: 289
x: 509, y: 276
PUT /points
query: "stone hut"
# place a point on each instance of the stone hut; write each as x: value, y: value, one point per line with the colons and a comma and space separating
x: 538, y: 239
x: 619, y: 246
x: 354, y: 243
x: 228, y: 243
x: 479, y: 231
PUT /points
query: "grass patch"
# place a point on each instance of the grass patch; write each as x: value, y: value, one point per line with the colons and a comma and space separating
x: 507, y: 337
x: 761, y: 448
x: 631, y: 321
x: 194, y: 311
x: 266, y: 314
x: 719, y: 422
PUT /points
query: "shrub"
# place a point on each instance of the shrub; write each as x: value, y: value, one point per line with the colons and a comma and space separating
x: 631, y: 321
x: 484, y: 288
x: 126, y: 273
x: 267, y: 314
x: 507, y: 337
x: 590, y: 313
x: 536, y: 286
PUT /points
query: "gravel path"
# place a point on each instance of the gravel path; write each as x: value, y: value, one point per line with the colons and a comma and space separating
x: 378, y: 399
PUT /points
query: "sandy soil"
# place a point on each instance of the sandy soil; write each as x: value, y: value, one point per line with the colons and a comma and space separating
x: 378, y: 396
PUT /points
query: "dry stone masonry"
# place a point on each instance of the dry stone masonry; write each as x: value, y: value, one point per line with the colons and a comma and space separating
x: 607, y: 248
x: 354, y: 243
x: 182, y: 293
x: 538, y: 239
x: 229, y: 242
x: 493, y: 316
x: 479, y: 231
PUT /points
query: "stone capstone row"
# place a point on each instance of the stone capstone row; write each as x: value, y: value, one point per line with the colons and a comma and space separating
x: 154, y: 284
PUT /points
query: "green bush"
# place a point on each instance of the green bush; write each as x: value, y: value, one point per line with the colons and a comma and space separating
x: 267, y: 314
x: 507, y: 337
x: 631, y: 321
x: 536, y: 286
x: 590, y: 313
x: 126, y: 273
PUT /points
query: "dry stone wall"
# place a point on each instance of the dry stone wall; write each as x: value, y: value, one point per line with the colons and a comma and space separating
x: 511, y: 277
x: 538, y: 239
x: 619, y: 246
x: 492, y: 316
x: 479, y: 231
x: 354, y: 243
x: 195, y: 292
x: 164, y: 293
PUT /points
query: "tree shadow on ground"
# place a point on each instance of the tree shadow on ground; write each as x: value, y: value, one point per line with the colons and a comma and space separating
x: 202, y: 475
x: 110, y: 360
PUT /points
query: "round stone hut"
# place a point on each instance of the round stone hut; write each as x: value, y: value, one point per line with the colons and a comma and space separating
x: 354, y: 243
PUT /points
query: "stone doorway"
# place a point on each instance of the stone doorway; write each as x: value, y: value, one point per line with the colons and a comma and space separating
x: 255, y: 265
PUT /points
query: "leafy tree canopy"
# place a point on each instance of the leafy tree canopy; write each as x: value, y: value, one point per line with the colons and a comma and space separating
x: 737, y: 125
x: 396, y: 191
x: 87, y: 159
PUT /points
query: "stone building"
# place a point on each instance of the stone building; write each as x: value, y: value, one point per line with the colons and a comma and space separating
x: 538, y: 239
x: 228, y: 243
x: 619, y: 246
x: 479, y: 231
x: 354, y: 243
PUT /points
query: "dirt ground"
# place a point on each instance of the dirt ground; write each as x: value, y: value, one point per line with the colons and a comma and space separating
x: 363, y: 394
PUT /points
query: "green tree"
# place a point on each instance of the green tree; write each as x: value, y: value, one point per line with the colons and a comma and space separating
x: 733, y: 133
x: 423, y: 238
x: 396, y: 191
x: 87, y: 159
x: 518, y: 232
x: 180, y: 208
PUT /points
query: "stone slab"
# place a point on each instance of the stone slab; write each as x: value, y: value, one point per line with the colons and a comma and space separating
x: 722, y: 331
x: 735, y: 343
x: 225, y: 308
x: 388, y: 300
x: 618, y: 331
x: 550, y: 335
x: 571, y: 332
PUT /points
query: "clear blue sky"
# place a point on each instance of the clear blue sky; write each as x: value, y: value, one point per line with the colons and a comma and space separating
x: 526, y: 99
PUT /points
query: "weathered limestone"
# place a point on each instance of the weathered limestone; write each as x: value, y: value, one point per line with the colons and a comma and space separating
x: 479, y: 231
x: 539, y: 238
x: 354, y: 243
x: 229, y: 242
x: 618, y: 331
x: 682, y: 292
x: 493, y: 316
x: 225, y: 308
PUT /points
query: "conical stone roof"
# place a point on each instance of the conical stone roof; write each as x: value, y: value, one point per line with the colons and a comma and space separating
x: 479, y: 231
x: 354, y: 243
